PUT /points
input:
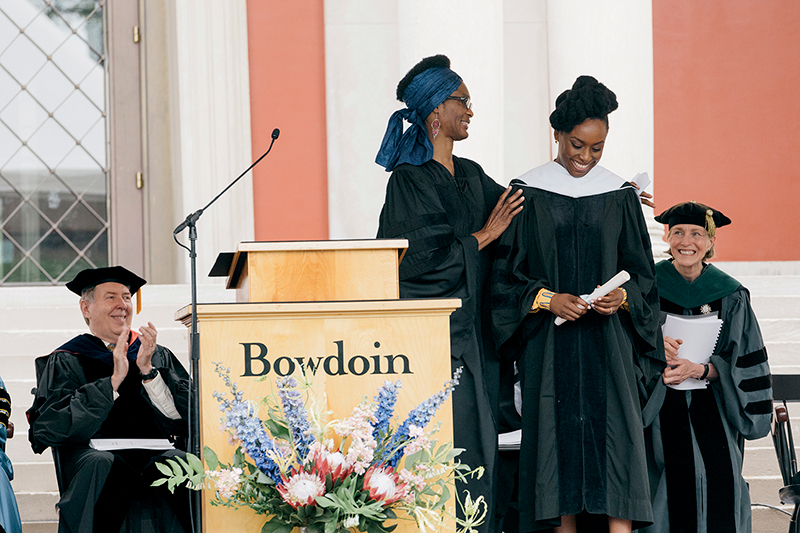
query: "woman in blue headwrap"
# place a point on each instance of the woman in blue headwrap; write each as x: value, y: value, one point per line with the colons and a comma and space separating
x: 450, y: 211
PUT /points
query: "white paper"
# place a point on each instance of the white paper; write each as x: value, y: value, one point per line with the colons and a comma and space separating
x: 621, y: 277
x: 510, y: 440
x: 699, y: 336
x: 642, y: 180
x: 130, y: 444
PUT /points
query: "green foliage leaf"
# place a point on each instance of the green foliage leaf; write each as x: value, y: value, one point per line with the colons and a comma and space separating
x: 158, y: 482
x: 324, y: 502
x: 276, y: 526
x: 176, y: 468
x: 211, y: 458
x: 278, y: 431
x: 195, y: 463
x: 184, y: 464
x: 164, y: 469
x: 452, y: 454
x: 413, y: 459
x: 330, y: 526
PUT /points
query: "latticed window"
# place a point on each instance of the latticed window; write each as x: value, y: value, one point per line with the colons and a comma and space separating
x: 54, y: 145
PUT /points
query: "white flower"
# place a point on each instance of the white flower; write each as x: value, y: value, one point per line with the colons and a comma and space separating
x: 382, y: 484
x: 335, y: 459
x: 350, y: 521
x: 301, y: 489
x: 226, y: 481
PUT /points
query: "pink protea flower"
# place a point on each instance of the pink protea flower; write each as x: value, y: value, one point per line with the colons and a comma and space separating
x: 384, y: 485
x: 324, y: 462
x: 301, y: 489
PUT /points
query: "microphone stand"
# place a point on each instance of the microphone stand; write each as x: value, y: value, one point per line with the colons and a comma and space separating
x: 194, y: 335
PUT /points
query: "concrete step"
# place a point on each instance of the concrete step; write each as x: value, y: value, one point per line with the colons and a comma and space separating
x: 40, y: 527
x: 780, y: 329
x: 59, y: 296
x: 37, y: 506
x: 783, y: 357
x: 775, y: 306
x: 767, y: 520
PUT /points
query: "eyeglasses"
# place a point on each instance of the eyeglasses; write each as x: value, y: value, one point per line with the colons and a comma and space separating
x: 463, y: 99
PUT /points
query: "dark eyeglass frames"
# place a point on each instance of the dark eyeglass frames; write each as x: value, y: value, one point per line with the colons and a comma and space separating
x: 463, y: 99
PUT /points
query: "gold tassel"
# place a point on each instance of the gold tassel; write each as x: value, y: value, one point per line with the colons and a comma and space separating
x: 711, y: 228
x: 138, y: 301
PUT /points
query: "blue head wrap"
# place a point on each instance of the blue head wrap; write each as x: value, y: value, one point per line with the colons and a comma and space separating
x: 427, y: 90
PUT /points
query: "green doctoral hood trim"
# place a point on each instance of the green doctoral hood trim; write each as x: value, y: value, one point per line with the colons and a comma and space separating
x: 710, y: 286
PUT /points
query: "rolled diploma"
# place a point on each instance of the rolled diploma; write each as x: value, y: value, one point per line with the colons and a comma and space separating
x: 621, y: 277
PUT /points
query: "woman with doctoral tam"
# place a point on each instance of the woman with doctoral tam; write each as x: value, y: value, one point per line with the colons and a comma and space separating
x: 584, y: 383
x: 698, y: 437
x: 450, y: 212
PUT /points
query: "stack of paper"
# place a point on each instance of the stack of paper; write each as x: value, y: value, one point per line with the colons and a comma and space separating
x: 699, y: 336
x: 130, y: 444
x: 510, y: 440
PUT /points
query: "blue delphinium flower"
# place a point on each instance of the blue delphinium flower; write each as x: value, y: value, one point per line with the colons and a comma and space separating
x: 296, y: 416
x: 419, y: 416
x: 241, y: 417
x: 386, y: 399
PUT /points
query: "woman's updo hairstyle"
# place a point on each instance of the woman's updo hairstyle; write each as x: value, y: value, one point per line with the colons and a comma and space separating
x: 429, y: 62
x: 587, y: 99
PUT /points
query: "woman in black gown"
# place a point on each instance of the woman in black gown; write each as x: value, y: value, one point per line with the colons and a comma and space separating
x: 583, y: 382
x: 451, y: 212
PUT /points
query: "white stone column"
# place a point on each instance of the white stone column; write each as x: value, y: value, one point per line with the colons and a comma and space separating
x: 527, y: 86
x: 211, y: 116
x: 369, y: 46
x: 470, y: 33
x: 361, y: 73
x: 611, y: 40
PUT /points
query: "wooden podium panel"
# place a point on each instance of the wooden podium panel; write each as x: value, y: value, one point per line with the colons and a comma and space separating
x: 354, y: 346
x: 315, y: 271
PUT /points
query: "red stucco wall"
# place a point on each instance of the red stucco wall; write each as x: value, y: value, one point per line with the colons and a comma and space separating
x: 727, y: 118
x: 287, y: 91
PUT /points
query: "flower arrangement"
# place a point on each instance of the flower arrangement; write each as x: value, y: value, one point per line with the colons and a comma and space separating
x: 287, y: 467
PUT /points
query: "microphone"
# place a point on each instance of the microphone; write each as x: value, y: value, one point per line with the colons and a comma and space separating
x: 193, y: 217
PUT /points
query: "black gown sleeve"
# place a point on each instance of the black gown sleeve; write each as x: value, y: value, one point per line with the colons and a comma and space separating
x: 436, y: 257
x: 636, y: 257
x: 73, y: 410
x: 425, y: 206
x: 741, y: 361
x: 178, y: 382
x: 516, y: 279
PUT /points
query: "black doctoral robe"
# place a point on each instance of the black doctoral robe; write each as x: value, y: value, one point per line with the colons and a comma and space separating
x: 583, y: 383
x: 698, y: 438
x: 77, y: 404
x: 438, y: 213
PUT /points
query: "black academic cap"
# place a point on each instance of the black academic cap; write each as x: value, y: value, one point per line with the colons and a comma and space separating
x: 92, y: 277
x: 694, y: 213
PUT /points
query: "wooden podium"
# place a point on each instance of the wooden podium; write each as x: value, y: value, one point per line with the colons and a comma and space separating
x: 332, y: 305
